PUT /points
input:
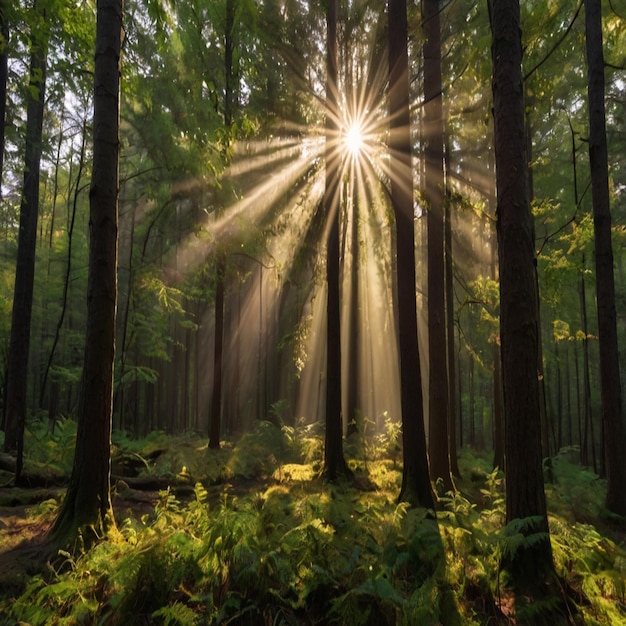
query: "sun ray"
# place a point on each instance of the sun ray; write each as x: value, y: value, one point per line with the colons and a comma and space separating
x: 271, y: 290
x: 354, y: 140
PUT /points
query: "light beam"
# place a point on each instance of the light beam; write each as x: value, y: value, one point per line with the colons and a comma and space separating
x: 354, y: 139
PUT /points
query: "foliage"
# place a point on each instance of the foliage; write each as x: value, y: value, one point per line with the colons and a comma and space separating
x: 289, y: 549
x: 49, y: 454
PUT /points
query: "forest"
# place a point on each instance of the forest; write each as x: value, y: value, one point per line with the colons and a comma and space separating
x: 312, y: 312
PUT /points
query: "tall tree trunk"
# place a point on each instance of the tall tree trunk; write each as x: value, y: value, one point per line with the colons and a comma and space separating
x: 229, y: 91
x: 87, y: 504
x: 459, y: 370
x: 19, y: 343
x: 4, y: 76
x: 450, y: 349
x: 355, y: 421
x: 229, y: 73
x: 559, y: 397
x: 610, y: 385
x: 416, y: 487
x: 519, y: 326
x: 434, y: 195
x: 68, y: 268
x: 587, y: 439
x: 220, y: 271
x: 471, y: 438
x: 545, y: 417
x: 334, y: 460
x: 260, y: 386
x: 498, y: 408
x: 568, y: 396
x: 119, y: 402
x: 216, y: 397
x: 45, y: 326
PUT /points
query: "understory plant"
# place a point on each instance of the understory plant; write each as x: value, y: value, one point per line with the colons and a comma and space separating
x: 270, y: 547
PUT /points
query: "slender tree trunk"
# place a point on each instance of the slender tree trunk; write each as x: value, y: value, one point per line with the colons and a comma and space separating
x: 229, y: 55
x: 416, y: 488
x: 68, y: 268
x: 45, y: 326
x: 568, y: 396
x: 587, y: 412
x: 450, y: 347
x: 559, y: 398
x: 229, y: 93
x: 87, y: 504
x: 55, y: 186
x: 19, y: 344
x: 123, y: 320
x: 216, y: 397
x: 610, y: 384
x: 498, y: 408
x: 194, y: 392
x: 237, y: 362
x: 434, y: 196
x: 259, y: 352
x: 4, y: 76
x: 546, y: 424
x: 355, y: 421
x: 519, y: 325
x: 472, y: 404
x: 334, y: 461
x: 187, y: 378
x: 459, y: 370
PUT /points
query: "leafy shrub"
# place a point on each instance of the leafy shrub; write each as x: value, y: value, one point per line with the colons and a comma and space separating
x: 282, y: 550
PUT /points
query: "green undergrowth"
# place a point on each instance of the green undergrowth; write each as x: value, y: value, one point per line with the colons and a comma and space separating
x: 262, y: 540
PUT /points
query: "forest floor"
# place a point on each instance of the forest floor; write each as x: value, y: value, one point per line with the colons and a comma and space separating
x: 250, y: 534
x: 24, y: 529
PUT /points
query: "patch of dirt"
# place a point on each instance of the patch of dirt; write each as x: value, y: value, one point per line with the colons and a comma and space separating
x: 24, y: 549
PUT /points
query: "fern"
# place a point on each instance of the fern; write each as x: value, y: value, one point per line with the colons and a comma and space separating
x: 517, y: 539
x: 177, y: 614
x: 296, y: 548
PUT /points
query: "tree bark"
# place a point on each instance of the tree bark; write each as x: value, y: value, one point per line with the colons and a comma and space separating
x: 450, y: 344
x: 216, y: 397
x: 498, y: 409
x: 87, y: 505
x: 587, y: 424
x: 519, y: 329
x: 355, y: 417
x: 229, y: 91
x: 434, y: 196
x: 416, y: 488
x: 4, y: 76
x: 19, y: 343
x: 334, y: 461
x: 610, y: 386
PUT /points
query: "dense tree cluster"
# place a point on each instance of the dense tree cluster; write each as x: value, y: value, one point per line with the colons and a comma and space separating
x: 442, y: 276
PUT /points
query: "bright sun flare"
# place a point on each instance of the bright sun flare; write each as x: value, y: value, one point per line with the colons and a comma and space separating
x: 354, y: 139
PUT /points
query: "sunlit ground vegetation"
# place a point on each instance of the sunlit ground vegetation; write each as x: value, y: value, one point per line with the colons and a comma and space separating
x: 249, y: 534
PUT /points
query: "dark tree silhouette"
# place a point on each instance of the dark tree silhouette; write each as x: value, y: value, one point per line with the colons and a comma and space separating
x: 19, y: 343
x: 434, y: 196
x: 4, y: 75
x: 610, y: 386
x: 216, y: 396
x: 87, y: 505
x: 334, y: 461
x: 416, y: 488
x: 525, y: 498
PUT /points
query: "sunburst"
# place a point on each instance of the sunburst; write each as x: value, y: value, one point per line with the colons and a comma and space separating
x: 354, y: 139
